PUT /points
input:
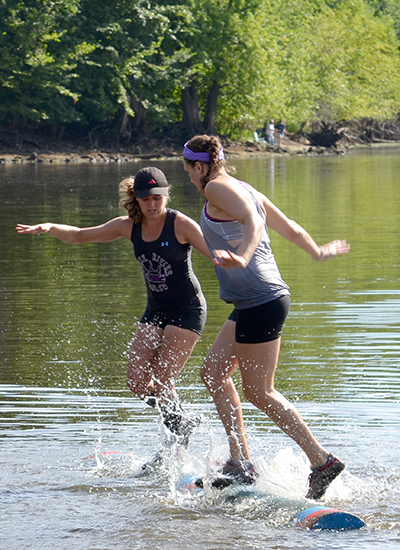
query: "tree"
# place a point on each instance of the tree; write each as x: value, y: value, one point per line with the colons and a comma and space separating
x: 316, y: 62
x: 226, y: 47
x: 36, y: 63
x: 135, y: 66
x: 357, y: 63
x: 127, y: 69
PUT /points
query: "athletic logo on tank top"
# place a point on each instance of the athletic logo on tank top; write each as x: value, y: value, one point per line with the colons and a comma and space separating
x: 157, y: 270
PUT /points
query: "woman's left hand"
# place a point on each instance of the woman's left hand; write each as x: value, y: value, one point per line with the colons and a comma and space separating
x: 227, y: 259
x: 332, y: 249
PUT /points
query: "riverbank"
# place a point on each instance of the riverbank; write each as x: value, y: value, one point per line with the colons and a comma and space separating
x: 68, y: 152
x: 156, y: 150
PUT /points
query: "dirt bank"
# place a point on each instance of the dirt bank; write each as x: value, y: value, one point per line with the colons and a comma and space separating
x: 25, y: 149
x: 70, y: 154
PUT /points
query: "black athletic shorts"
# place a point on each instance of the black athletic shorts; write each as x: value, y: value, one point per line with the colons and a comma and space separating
x: 262, y: 323
x: 191, y: 317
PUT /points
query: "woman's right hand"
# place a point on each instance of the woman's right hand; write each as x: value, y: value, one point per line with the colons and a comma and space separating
x: 228, y: 259
x: 33, y: 229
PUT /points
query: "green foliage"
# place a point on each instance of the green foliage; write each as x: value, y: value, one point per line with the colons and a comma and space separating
x: 134, y: 57
x: 323, y: 62
x: 293, y: 127
x: 88, y: 61
x: 357, y: 63
x: 35, y: 62
x: 390, y: 8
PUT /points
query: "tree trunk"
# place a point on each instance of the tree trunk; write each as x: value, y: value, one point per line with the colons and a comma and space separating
x: 139, y: 126
x: 123, y: 128
x: 211, y: 108
x: 191, y: 113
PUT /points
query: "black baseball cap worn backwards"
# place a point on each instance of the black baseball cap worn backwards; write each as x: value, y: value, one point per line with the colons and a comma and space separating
x: 150, y: 181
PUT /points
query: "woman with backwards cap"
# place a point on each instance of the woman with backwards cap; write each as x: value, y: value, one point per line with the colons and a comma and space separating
x: 234, y: 223
x: 176, y: 309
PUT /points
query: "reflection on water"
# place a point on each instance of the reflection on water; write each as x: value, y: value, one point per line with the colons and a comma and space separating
x: 67, y: 315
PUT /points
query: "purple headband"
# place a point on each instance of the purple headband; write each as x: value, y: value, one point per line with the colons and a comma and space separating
x: 200, y: 157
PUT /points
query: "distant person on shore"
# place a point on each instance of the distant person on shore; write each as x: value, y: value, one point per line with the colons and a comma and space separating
x: 270, y: 132
x: 235, y: 222
x: 280, y: 127
x: 176, y: 309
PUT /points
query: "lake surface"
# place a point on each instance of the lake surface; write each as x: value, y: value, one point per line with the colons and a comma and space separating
x: 68, y: 313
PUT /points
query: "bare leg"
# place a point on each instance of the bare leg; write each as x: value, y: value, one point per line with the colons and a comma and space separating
x: 175, y: 349
x: 157, y: 357
x: 142, y: 357
x: 258, y: 363
x: 219, y: 365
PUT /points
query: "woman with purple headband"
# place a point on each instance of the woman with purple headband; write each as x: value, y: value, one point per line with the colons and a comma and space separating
x: 235, y: 222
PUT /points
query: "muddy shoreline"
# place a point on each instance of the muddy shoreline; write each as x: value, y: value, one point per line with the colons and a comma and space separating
x: 78, y: 154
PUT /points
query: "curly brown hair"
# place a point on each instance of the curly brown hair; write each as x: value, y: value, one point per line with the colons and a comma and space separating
x: 129, y: 199
x: 212, y: 145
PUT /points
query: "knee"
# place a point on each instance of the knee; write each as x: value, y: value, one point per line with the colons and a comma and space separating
x: 249, y: 394
x: 257, y: 396
x: 211, y: 379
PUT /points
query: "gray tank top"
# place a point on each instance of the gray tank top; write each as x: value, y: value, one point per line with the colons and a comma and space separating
x: 260, y: 282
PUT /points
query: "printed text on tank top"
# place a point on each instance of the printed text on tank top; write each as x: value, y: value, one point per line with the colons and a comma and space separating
x: 156, y: 269
x: 166, y: 266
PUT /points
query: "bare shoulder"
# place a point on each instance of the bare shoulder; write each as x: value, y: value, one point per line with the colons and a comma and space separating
x: 122, y: 221
x: 188, y: 230
x: 125, y: 220
x: 183, y: 222
x: 124, y: 225
x: 222, y: 182
x: 227, y: 201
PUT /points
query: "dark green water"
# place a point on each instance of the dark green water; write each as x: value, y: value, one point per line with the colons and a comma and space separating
x: 68, y: 312
x: 67, y: 315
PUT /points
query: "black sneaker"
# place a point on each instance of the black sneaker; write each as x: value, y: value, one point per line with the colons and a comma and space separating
x: 322, y: 476
x: 179, y: 422
x: 151, y: 401
x: 243, y: 473
x: 155, y: 462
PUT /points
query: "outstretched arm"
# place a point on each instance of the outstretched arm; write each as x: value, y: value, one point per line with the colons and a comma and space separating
x: 296, y: 234
x: 110, y: 231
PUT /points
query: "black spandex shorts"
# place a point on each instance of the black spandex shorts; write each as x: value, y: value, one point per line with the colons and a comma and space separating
x: 262, y: 323
x: 192, y: 317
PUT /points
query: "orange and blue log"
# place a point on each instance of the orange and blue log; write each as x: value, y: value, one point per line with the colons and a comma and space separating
x: 327, y: 519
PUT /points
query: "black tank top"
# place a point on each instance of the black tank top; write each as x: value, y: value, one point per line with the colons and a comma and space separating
x: 167, y: 267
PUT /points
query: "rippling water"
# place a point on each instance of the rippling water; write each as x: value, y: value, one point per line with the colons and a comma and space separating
x: 67, y: 315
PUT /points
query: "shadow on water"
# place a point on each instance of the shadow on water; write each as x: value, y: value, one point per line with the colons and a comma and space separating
x: 67, y: 315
